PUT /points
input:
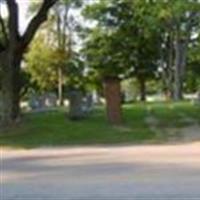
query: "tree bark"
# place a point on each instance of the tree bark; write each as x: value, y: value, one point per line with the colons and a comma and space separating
x: 113, y: 100
x: 17, y: 86
x: 60, y: 87
x: 142, y: 83
x: 180, y: 63
x: 11, y: 86
x: 169, y: 70
x: 7, y: 88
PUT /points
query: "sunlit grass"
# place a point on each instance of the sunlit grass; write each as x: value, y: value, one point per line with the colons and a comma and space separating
x: 55, y: 129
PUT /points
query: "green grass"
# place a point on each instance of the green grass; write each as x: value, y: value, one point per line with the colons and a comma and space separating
x: 54, y: 129
x: 176, y: 114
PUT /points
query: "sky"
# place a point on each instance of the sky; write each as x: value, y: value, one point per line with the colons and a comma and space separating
x: 24, y: 20
x: 23, y: 5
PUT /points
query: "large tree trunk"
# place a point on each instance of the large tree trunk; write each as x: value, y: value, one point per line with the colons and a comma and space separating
x: 113, y: 100
x: 17, y: 86
x: 177, y: 73
x: 142, y: 83
x: 169, y: 69
x: 7, y: 89
x: 11, y: 87
x: 11, y: 55
x: 180, y: 64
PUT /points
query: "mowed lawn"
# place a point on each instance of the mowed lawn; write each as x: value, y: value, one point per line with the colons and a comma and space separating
x: 143, y: 123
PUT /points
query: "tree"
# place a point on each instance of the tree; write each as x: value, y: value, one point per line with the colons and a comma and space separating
x: 64, y: 23
x: 180, y: 20
x: 110, y: 47
x: 12, y: 49
x: 140, y: 38
x: 193, y: 73
x: 125, y: 34
x: 60, y: 30
x: 143, y: 48
x: 101, y: 57
x: 43, y: 67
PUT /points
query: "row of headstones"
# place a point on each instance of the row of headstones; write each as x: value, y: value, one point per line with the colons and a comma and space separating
x: 79, y: 105
x: 41, y: 102
x: 78, y: 102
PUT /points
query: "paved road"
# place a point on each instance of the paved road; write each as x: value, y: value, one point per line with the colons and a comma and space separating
x: 102, y: 173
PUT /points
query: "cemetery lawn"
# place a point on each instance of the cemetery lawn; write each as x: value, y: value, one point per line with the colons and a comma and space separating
x: 143, y: 123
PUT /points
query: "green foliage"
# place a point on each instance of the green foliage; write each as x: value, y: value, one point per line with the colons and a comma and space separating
x: 52, y: 49
x: 42, y: 64
x: 130, y: 88
x: 102, y: 52
x: 75, y: 71
x: 104, y: 49
x: 33, y: 7
x: 125, y: 34
x: 130, y: 39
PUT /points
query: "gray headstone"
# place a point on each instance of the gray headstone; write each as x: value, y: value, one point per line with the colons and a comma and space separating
x: 75, y: 105
x: 35, y: 102
x: 50, y: 100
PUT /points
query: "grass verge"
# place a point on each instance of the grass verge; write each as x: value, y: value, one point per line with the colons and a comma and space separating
x: 54, y: 129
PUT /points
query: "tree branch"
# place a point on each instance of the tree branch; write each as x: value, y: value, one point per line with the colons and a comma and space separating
x: 13, y: 21
x: 35, y: 23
